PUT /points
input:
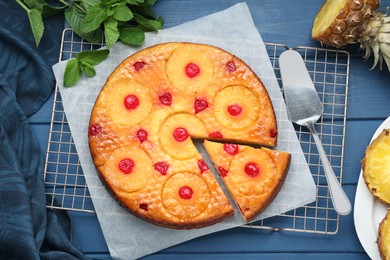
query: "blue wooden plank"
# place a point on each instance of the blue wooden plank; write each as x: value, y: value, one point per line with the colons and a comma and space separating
x: 260, y: 240
x: 41, y: 133
x: 243, y: 256
x: 43, y: 115
x: 87, y: 231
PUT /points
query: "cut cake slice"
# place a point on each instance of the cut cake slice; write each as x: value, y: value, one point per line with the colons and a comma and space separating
x: 253, y: 176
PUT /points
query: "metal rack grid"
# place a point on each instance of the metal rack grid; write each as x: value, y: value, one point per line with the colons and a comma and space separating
x: 66, y: 187
x: 329, y: 70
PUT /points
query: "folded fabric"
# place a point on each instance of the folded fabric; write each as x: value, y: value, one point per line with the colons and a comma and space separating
x: 27, y: 229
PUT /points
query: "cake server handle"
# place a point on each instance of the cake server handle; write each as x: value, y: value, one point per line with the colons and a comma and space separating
x: 341, y: 203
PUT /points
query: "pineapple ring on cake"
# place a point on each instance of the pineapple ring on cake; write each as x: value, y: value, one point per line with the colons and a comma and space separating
x: 252, y: 172
x: 176, y: 132
x: 128, y: 102
x: 384, y: 236
x: 190, y: 68
x: 376, y: 167
x: 185, y: 195
x: 236, y: 107
x: 128, y: 169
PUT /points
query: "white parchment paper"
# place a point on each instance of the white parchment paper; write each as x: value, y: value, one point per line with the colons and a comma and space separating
x: 128, y: 237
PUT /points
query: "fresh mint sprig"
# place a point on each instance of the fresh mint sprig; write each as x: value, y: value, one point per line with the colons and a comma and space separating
x: 83, y: 62
x: 94, y: 20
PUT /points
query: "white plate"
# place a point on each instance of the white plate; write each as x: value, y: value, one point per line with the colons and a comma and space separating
x: 369, y: 212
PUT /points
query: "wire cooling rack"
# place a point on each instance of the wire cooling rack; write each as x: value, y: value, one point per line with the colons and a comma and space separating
x: 65, y: 183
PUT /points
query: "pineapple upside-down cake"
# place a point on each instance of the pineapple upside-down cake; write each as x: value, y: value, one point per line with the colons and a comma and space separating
x: 145, y: 117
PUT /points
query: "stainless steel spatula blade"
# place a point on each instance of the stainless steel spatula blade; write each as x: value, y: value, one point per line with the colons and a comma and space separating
x: 301, y: 97
x: 304, y: 108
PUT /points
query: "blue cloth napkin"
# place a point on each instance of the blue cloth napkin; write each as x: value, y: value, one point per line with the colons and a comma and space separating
x: 27, y: 229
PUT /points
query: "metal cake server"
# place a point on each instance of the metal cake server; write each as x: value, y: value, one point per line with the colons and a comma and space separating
x: 304, y: 108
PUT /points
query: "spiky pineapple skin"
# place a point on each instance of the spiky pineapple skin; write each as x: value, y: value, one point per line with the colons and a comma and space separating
x: 349, y: 24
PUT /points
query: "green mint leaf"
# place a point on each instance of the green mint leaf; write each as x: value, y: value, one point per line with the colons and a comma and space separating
x: 49, y: 10
x: 72, y: 73
x: 122, y: 13
x: 131, y: 35
x: 92, y: 2
x: 111, y: 32
x: 88, y: 69
x: 135, y: 2
x: 94, y: 18
x: 75, y: 18
x: 148, y: 24
x: 143, y: 10
x: 93, y: 57
x: 35, y: 4
x: 149, y: 3
x: 36, y: 23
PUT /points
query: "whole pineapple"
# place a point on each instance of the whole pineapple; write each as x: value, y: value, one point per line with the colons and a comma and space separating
x: 343, y: 22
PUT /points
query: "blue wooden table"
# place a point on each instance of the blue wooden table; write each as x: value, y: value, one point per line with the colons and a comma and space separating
x: 285, y: 22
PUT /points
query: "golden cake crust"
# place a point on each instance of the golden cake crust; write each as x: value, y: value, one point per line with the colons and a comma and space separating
x: 145, y: 115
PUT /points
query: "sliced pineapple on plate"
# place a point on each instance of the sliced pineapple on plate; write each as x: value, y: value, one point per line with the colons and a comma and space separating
x: 376, y: 167
x: 384, y: 237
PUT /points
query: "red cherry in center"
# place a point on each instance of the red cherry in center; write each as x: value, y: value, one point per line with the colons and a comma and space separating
x: 215, y: 135
x: 165, y: 99
x: 143, y: 206
x: 234, y: 110
x: 274, y: 133
x: 126, y: 166
x: 131, y: 102
x: 192, y: 70
x: 200, y: 105
x: 231, y: 67
x: 185, y: 192
x: 252, y: 169
x: 180, y: 134
x: 162, y: 167
x: 139, y: 65
x: 202, y: 166
x: 95, y: 129
x: 142, y: 135
x: 223, y: 171
x: 231, y: 149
